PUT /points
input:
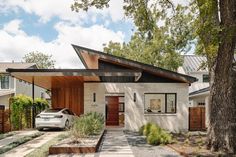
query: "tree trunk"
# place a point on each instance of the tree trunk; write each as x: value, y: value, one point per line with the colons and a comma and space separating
x: 222, y: 121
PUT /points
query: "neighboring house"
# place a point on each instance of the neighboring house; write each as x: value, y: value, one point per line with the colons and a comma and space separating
x: 198, y: 91
x: 126, y: 92
x: 193, y: 66
x: 10, y: 86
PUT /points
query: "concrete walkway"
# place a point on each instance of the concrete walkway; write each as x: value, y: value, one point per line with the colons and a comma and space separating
x: 28, y: 147
x: 114, y: 144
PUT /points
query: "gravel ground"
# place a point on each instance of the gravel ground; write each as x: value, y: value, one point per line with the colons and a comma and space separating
x: 141, y: 149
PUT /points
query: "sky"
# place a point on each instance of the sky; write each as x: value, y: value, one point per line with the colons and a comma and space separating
x: 50, y: 27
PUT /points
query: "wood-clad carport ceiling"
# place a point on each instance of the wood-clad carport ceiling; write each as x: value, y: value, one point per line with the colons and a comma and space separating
x: 53, y: 78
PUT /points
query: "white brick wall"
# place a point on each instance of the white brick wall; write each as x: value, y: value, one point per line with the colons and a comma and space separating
x: 134, y: 111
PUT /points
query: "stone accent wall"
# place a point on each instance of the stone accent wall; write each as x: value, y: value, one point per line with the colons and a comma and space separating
x: 134, y: 111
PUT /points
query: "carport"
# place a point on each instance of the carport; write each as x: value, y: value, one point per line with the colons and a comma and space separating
x: 67, y: 85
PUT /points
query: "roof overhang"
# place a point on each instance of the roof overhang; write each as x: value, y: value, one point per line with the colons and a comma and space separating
x: 44, y: 77
x: 90, y: 57
x: 200, y: 92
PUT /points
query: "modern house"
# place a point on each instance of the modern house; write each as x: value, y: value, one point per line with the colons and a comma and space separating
x: 10, y: 86
x: 126, y: 92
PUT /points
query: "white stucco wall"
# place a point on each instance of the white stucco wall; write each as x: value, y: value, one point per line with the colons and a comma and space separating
x: 134, y: 111
x: 4, y: 100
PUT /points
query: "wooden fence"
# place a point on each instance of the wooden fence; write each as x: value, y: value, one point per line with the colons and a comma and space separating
x: 197, y: 120
x: 5, y: 125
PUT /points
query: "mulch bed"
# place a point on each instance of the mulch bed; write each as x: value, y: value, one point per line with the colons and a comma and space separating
x: 192, y: 144
x: 85, y: 145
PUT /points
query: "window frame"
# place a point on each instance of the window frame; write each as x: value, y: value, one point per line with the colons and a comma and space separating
x: 8, y: 82
x: 145, y: 112
x: 204, y: 77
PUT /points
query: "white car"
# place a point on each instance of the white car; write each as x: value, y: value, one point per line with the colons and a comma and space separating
x: 54, y: 118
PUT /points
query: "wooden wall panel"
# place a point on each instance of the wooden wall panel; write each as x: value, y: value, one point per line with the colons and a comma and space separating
x: 68, y: 92
x: 197, y: 119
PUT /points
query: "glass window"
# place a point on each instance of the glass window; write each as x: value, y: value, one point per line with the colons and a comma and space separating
x: 160, y: 102
x: 4, y: 82
x: 170, y: 103
x: 205, y: 78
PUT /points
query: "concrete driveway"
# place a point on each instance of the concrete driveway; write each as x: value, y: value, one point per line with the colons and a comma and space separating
x: 30, y: 146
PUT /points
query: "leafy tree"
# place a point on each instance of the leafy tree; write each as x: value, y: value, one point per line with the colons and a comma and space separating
x: 216, y: 29
x: 215, y: 25
x: 42, y: 60
x: 151, y: 43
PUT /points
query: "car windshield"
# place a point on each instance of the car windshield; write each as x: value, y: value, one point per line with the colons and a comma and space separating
x: 53, y: 110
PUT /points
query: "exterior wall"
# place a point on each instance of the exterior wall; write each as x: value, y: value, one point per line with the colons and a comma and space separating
x: 4, y: 100
x: 134, y: 111
x: 25, y: 88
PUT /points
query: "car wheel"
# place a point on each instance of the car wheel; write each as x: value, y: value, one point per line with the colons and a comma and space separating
x: 67, y: 125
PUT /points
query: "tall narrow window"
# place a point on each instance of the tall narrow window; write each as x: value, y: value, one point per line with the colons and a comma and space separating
x: 94, y: 97
x: 4, y: 82
x: 134, y: 97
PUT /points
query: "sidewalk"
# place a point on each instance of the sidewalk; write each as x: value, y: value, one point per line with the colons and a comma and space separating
x: 28, y: 147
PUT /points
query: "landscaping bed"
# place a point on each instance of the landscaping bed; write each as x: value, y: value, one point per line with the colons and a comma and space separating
x: 2, y: 136
x: 86, y: 135
x: 192, y: 144
x: 19, y: 141
x: 83, y: 145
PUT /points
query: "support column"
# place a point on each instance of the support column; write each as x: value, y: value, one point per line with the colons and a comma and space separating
x: 33, y: 107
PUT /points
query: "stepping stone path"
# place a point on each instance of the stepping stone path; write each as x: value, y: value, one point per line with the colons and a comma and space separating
x: 30, y: 146
x: 18, y: 135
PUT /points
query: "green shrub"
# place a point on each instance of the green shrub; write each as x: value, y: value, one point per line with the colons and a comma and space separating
x: 86, y: 125
x: 146, y: 129
x: 40, y: 104
x: 141, y: 130
x: 21, y: 110
x: 155, y: 135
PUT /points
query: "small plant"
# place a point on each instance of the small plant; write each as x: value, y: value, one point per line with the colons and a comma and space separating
x: 86, y: 125
x: 146, y: 129
x: 155, y: 135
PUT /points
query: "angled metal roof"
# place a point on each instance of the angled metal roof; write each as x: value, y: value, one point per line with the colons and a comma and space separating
x: 134, y: 64
x: 193, y: 63
x: 200, y: 91
x: 16, y: 65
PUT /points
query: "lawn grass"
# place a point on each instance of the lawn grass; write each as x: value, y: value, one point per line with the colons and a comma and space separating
x: 43, y: 150
x: 2, y: 136
x: 19, y: 142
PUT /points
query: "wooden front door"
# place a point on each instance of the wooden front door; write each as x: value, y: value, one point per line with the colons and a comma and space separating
x: 112, y: 110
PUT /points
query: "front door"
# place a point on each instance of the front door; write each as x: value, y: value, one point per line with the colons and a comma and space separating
x: 112, y: 110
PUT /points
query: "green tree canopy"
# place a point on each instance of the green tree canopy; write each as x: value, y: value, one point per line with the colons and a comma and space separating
x: 161, y: 36
x: 43, y: 61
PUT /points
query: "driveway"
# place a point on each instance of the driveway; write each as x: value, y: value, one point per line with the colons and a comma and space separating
x: 28, y: 147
